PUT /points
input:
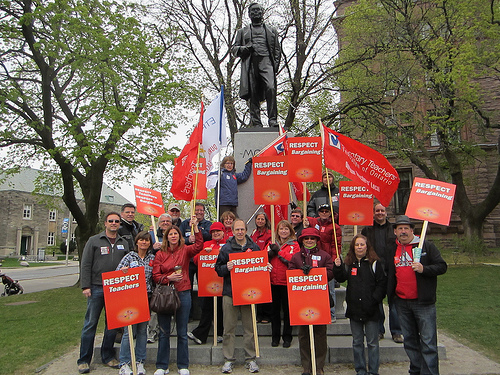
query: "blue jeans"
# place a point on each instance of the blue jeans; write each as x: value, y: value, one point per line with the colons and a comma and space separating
x: 418, y: 322
x: 359, y: 330
x: 331, y: 287
x: 181, y: 324
x: 140, y: 331
x: 95, y: 304
x: 394, y: 325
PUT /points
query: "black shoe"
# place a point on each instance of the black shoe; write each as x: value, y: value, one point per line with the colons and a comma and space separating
x: 275, y: 343
x: 287, y: 344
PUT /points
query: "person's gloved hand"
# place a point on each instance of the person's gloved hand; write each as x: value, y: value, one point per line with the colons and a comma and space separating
x: 293, y: 206
x: 248, y: 161
x: 306, y: 268
x: 273, y: 250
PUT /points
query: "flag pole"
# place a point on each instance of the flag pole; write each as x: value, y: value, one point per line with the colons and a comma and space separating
x: 329, y: 189
x: 193, y: 202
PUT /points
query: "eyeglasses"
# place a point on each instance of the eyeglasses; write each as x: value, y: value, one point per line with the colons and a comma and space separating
x: 310, y: 238
x: 294, y: 215
x: 113, y: 221
x: 323, y: 211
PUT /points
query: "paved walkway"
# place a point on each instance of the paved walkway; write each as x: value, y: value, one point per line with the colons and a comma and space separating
x: 461, y: 361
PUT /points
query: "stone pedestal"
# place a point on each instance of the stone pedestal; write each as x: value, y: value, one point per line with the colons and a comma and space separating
x: 248, y: 143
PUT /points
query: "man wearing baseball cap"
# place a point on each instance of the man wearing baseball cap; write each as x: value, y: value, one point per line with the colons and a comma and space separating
x: 321, y: 196
x: 174, y: 210
x: 412, y: 282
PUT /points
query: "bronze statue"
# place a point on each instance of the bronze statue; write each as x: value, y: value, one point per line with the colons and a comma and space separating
x: 258, y: 46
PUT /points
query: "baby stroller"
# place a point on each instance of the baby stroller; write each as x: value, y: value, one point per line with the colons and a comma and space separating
x: 11, y: 287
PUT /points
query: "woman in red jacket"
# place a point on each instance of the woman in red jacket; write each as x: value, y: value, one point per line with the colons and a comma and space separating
x: 280, y: 255
x: 171, y: 265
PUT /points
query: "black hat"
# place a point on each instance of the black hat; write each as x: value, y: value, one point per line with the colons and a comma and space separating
x: 403, y: 220
x: 324, y: 206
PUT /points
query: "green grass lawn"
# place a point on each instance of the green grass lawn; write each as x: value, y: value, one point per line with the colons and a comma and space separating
x: 468, y: 306
x: 36, y: 333
x: 33, y: 334
x: 14, y: 263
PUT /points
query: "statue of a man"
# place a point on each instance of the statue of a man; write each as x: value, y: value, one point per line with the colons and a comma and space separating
x: 258, y: 46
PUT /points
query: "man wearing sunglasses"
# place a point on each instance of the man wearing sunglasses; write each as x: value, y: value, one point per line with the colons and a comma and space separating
x: 102, y: 253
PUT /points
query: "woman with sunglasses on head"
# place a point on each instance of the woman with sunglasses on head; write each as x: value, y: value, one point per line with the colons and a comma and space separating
x: 171, y: 265
x: 142, y: 257
x: 311, y: 256
x: 227, y: 218
x: 366, y: 288
x: 280, y: 255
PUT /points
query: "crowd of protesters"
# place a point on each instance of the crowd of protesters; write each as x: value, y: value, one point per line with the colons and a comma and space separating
x: 379, y: 262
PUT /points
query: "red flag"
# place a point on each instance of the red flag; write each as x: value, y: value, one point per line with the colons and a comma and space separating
x: 183, y: 176
x: 360, y: 163
x: 299, y: 191
x: 277, y: 147
x: 280, y: 213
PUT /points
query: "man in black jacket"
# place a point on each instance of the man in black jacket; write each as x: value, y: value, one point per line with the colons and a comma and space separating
x: 129, y: 228
x: 321, y: 197
x: 239, y: 243
x: 412, y: 282
x: 381, y: 237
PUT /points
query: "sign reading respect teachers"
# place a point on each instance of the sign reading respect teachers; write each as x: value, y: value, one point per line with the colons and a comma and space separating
x: 125, y: 297
x: 250, y: 278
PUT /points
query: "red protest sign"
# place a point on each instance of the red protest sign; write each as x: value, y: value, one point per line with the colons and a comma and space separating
x: 270, y: 179
x: 431, y: 200
x: 209, y: 283
x: 125, y: 297
x: 304, y: 159
x: 355, y: 204
x: 308, y: 297
x: 250, y: 278
x: 148, y: 202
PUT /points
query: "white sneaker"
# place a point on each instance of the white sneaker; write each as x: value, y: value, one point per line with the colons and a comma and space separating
x: 161, y: 371
x: 194, y: 338
x: 183, y: 371
x: 227, y: 368
x: 125, y: 370
x: 140, y: 369
x: 252, y: 366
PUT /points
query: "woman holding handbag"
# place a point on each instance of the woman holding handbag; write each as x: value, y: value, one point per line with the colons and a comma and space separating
x: 171, y: 265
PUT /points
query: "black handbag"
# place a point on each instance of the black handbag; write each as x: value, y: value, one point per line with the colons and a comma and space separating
x: 165, y: 299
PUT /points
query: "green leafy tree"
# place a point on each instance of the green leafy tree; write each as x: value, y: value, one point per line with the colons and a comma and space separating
x: 86, y: 87
x: 418, y: 78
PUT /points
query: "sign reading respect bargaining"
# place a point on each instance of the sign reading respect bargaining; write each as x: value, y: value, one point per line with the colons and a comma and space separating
x: 125, y: 297
x: 209, y: 283
x: 308, y: 297
x: 355, y: 204
x: 250, y: 278
x: 270, y: 176
x: 148, y: 202
x: 304, y: 159
x: 431, y: 200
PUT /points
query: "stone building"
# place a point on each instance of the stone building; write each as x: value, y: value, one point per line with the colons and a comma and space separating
x: 35, y: 222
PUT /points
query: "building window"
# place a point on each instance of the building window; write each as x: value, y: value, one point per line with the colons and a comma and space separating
x: 73, y: 237
x: 51, y: 240
x: 27, y: 212
x: 52, y: 215
x: 110, y: 198
x: 403, y: 193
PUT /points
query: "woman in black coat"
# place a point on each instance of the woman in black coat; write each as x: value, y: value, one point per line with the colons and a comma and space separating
x: 366, y: 288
